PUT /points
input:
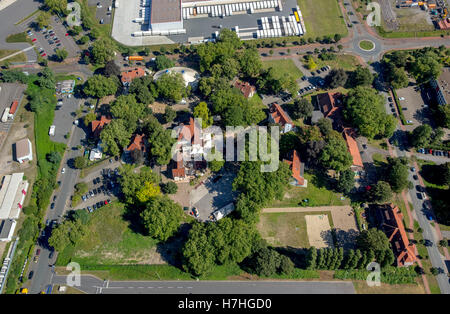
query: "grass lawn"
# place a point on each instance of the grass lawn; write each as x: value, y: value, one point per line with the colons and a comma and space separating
x: 17, y: 38
x: 283, y: 67
x: 286, y: 229
x: 21, y: 57
x: 110, y: 241
x: 322, y: 17
x: 361, y: 287
x: 342, y: 61
x: 366, y: 45
x: 316, y: 193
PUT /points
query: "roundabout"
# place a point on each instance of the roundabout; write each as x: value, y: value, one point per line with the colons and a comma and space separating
x: 366, y: 45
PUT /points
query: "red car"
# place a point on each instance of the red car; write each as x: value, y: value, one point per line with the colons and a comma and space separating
x: 58, y: 41
x: 34, y: 39
x: 106, y: 202
x: 67, y: 34
x: 430, y: 151
x: 44, y: 54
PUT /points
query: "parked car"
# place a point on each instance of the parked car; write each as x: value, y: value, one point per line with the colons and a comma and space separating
x: 99, y: 190
x: 429, y: 216
x: 91, y: 193
x: 94, y: 191
x: 94, y: 207
x: 89, y: 208
x: 30, y: 275
x: 195, y: 212
x: 52, y: 206
x: 83, y: 198
x: 63, y: 170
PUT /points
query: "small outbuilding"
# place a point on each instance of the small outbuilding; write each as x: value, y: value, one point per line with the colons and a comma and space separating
x: 24, y: 151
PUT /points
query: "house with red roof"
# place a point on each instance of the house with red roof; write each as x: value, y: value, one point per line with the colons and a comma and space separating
x: 127, y: 76
x: 246, y: 89
x: 279, y: 116
x: 390, y: 221
x: 98, y: 125
x: 191, y: 146
x: 138, y: 143
x: 330, y: 106
x: 297, y: 168
x: 352, y: 146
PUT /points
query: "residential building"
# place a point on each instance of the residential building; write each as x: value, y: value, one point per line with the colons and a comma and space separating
x: 193, y: 144
x: 24, y: 151
x: 390, y: 221
x: 357, y: 164
x: 441, y: 88
x: 297, y: 168
x: 127, y: 76
x: 96, y: 153
x: 138, y: 143
x: 279, y: 116
x: 98, y: 125
x: 246, y: 89
x: 330, y: 106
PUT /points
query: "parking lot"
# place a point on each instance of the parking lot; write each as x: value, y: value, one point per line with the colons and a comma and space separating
x: 213, y: 194
x: 54, y: 37
x: 64, y: 116
x: 103, y: 186
x: 414, y: 109
x: 102, y: 12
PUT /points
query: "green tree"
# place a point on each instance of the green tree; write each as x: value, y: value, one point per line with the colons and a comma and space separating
x: 160, y: 140
x: 426, y: 67
x: 201, y: 111
x: 79, y: 162
x: 171, y: 87
x: 381, y: 192
x: 336, y: 78
x: 131, y: 182
x: 127, y: 108
x: 47, y: 79
x: 147, y: 191
x: 362, y: 77
x: 115, y: 136
x: 100, y: 86
x: 43, y: 19
x: 56, y: 5
x: 250, y: 62
x: 111, y: 69
x: 61, y: 54
x: 198, y: 252
x: 103, y: 50
x: 266, y: 262
x: 301, y: 109
x: 162, y: 217
x: 335, y: 154
x: 169, y: 114
x: 311, y: 258
x: 89, y: 117
x: 397, y: 174
x: 346, y: 181
x: 286, y: 265
x: 162, y: 62
x: 54, y: 157
x: 169, y: 187
x: 421, y: 136
x: 364, y: 109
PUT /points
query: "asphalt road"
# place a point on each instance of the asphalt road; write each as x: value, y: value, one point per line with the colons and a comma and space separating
x: 93, y: 285
x: 11, y: 15
x: 42, y: 269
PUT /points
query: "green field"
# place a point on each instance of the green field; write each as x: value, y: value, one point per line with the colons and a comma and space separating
x: 286, y: 229
x: 322, y: 17
x: 283, y: 67
x: 109, y: 241
x: 366, y: 45
x: 316, y: 193
x: 17, y: 38
x: 342, y: 61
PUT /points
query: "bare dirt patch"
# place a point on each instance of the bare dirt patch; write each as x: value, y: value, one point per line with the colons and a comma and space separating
x: 319, y: 231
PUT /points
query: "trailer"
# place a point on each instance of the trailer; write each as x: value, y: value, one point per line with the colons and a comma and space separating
x: 224, y: 211
x: 5, y: 115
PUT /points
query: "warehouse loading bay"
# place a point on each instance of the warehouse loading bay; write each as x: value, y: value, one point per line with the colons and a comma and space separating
x: 270, y: 19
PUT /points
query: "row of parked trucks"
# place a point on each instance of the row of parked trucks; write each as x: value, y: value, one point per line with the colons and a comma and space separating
x: 290, y: 25
x: 228, y: 9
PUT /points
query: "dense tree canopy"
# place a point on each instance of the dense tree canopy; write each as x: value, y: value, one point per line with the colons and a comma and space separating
x: 364, y: 109
x: 100, y: 86
x: 127, y: 108
x: 115, y: 137
x: 103, y: 50
x: 162, y: 217
x: 160, y: 141
x: 171, y: 87
x: 131, y: 182
x: 335, y: 154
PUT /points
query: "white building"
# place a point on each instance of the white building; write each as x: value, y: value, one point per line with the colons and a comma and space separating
x: 24, y: 150
x: 12, y: 195
x: 7, y: 227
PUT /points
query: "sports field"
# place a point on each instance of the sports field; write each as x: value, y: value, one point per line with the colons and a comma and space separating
x: 322, y: 17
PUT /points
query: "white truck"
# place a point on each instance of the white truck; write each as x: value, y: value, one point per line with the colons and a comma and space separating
x: 5, y: 115
x: 224, y: 211
x: 51, y: 132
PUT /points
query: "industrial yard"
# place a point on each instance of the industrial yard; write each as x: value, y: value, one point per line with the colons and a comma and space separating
x: 195, y: 22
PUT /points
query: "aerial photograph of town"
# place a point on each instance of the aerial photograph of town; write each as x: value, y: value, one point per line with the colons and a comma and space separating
x: 224, y: 148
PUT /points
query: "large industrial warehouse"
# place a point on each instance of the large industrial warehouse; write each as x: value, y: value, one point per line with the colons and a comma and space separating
x: 197, y: 21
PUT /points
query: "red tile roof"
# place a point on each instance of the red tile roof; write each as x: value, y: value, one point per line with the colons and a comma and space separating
x: 353, y: 147
x: 279, y: 115
x: 392, y: 225
x: 97, y: 125
x: 444, y: 24
x: 327, y: 103
x: 190, y: 132
x: 296, y: 167
x: 245, y: 88
x: 129, y: 75
x: 138, y: 143
x: 179, y: 171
